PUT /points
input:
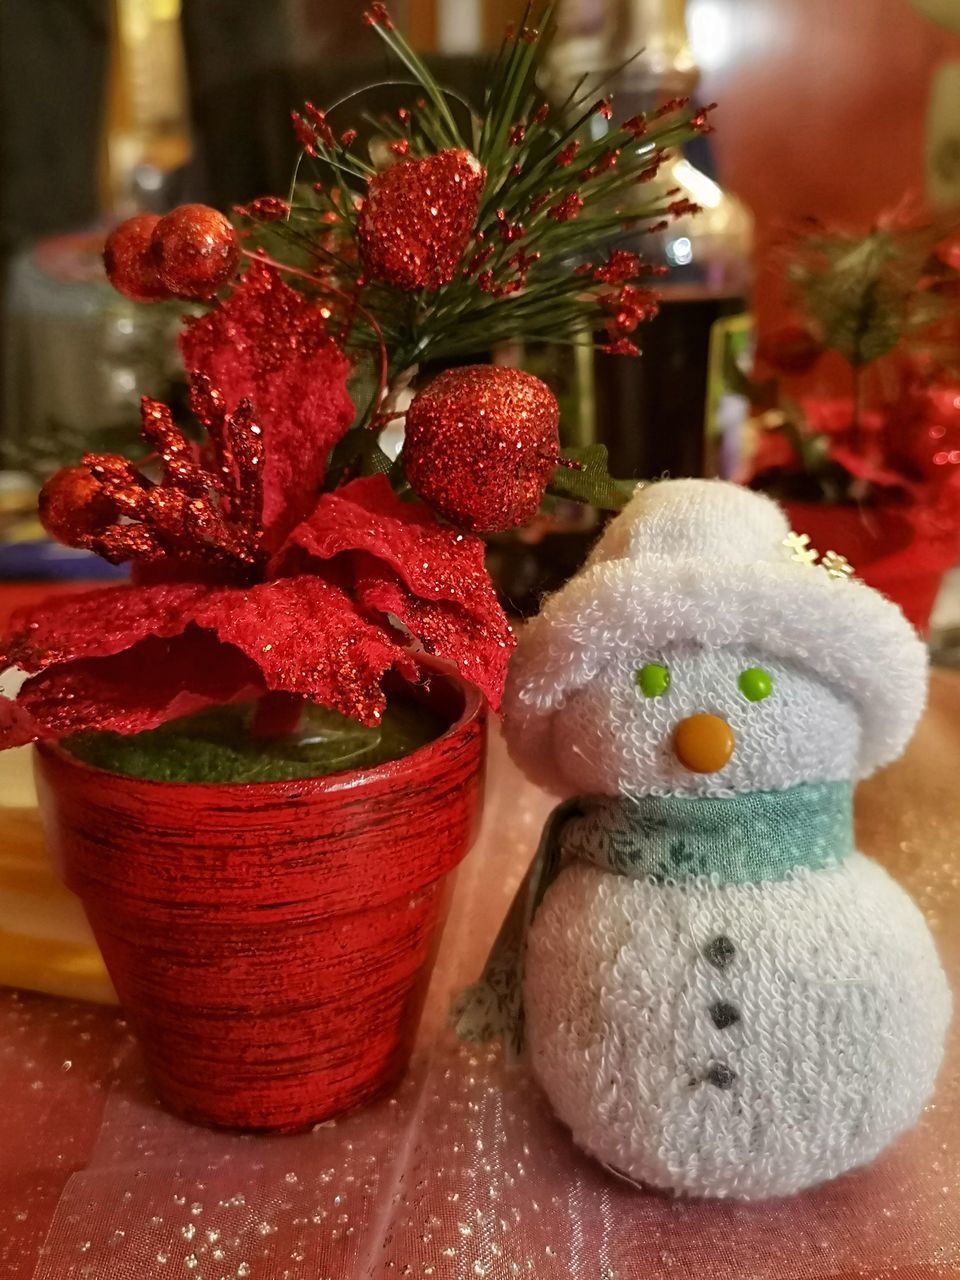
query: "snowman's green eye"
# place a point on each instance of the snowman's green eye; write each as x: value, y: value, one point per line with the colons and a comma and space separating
x: 755, y: 684
x: 652, y: 679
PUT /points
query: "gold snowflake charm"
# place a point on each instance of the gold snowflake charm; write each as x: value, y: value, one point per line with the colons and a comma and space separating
x: 798, y: 544
x: 836, y: 565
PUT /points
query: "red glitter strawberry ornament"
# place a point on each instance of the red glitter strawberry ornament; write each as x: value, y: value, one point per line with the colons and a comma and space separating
x: 417, y: 219
x: 481, y: 444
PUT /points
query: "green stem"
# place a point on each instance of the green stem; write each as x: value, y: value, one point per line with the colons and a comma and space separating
x: 860, y: 488
x: 398, y: 384
x: 856, y: 428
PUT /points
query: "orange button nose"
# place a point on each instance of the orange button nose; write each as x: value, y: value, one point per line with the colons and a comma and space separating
x: 703, y: 743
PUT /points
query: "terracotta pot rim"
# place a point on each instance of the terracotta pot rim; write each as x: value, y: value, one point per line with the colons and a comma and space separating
x: 474, y: 708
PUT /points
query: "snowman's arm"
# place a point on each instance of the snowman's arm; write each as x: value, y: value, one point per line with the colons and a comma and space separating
x: 492, y: 1008
x: 601, y: 835
x: 583, y: 838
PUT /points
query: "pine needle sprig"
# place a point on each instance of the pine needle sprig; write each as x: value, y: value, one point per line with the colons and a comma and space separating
x: 438, y: 111
x: 512, y: 77
x: 563, y: 186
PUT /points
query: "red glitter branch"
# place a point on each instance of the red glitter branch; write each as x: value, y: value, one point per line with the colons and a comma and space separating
x: 377, y: 15
x: 237, y: 445
x: 182, y: 517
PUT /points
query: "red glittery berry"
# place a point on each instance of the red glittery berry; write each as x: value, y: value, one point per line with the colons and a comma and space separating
x: 792, y: 349
x: 265, y: 209
x: 73, y: 507
x: 417, y: 219
x: 130, y: 260
x: 566, y: 209
x: 197, y: 250
x: 481, y: 444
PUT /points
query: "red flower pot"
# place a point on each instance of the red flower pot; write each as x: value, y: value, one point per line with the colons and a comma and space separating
x: 271, y: 943
x: 902, y: 551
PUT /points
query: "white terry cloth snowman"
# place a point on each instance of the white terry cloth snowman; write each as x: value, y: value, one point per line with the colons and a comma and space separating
x: 721, y: 996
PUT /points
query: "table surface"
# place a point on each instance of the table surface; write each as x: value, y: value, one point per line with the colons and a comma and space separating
x: 461, y: 1171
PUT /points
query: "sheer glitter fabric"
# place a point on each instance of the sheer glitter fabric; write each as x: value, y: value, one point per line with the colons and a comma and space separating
x: 462, y: 1172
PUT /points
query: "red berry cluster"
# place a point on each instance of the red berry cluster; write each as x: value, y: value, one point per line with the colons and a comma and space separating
x: 190, y: 253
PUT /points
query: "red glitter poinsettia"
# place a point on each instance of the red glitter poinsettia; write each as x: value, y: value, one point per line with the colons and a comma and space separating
x: 224, y: 606
x: 357, y: 588
x: 270, y: 345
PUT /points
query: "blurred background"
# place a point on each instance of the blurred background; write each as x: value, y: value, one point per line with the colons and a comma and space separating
x: 848, y: 113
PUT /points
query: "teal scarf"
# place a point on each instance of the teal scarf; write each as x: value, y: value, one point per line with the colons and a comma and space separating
x: 745, y: 839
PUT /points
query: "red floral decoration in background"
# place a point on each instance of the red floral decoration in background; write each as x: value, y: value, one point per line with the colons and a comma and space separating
x: 909, y: 449
x: 884, y: 303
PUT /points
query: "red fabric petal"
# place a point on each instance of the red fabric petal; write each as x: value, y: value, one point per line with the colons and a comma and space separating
x: 306, y: 637
x: 131, y: 658
x: 834, y: 416
x: 479, y: 651
x: 432, y: 559
x: 17, y: 725
x: 269, y: 343
x: 401, y: 560
x: 97, y: 623
x: 152, y: 682
x: 864, y: 468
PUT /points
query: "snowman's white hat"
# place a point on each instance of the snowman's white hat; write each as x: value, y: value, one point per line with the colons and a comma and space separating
x: 705, y: 561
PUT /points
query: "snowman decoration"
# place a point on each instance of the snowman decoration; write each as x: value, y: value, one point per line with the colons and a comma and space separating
x: 720, y: 995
